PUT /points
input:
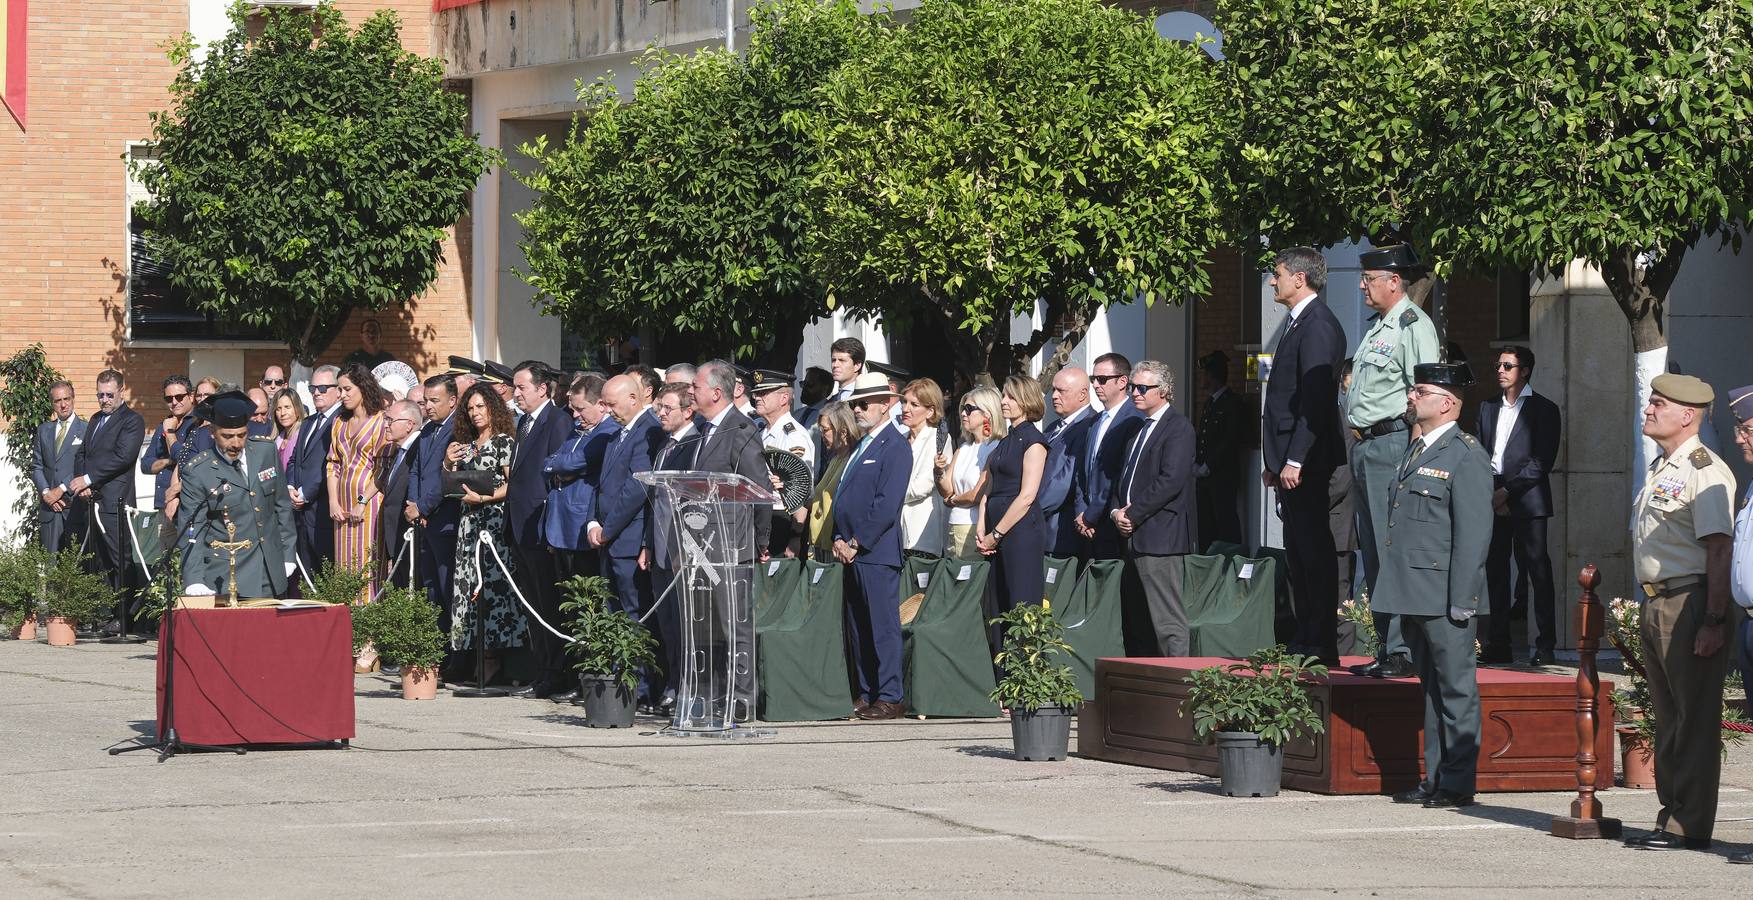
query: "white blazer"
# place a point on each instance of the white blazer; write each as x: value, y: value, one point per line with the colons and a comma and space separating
x: 922, y: 516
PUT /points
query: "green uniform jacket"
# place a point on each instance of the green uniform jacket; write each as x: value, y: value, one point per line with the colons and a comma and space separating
x: 1439, y: 530
x: 256, y: 501
x: 1381, y: 369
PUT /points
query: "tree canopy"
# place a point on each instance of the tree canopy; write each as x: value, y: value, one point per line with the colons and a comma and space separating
x: 307, y: 172
x: 994, y: 153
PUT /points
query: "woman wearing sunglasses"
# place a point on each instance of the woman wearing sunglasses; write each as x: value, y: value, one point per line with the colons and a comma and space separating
x: 1011, y: 528
x: 962, y: 479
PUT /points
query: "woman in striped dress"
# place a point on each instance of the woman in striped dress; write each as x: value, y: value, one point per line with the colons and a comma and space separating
x: 359, y: 432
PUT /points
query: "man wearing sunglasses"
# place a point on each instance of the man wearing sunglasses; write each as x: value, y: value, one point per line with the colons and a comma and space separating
x: 1522, y: 432
x: 307, y: 484
x: 273, y: 380
x: 104, y: 476
x: 1117, y: 422
x: 161, y: 456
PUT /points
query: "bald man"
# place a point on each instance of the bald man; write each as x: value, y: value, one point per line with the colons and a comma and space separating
x: 1067, y: 443
x: 259, y: 425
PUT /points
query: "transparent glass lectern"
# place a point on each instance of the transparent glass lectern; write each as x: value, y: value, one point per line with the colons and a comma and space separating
x: 704, y: 526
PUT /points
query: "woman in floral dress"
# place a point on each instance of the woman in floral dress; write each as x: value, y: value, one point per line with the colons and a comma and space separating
x: 483, y: 443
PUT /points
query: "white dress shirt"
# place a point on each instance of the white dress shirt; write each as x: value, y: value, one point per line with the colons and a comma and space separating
x: 1741, y: 562
x: 1507, y: 415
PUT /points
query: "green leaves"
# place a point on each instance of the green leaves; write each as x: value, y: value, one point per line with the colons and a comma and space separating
x: 1034, y: 642
x: 1262, y: 694
x: 607, y: 641
x: 26, y: 377
x: 403, y: 625
x: 301, y: 175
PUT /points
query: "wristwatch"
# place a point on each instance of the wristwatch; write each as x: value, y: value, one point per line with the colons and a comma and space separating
x: 1716, y: 618
x: 853, y: 544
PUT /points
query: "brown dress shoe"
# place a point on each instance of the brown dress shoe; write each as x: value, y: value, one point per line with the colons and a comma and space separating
x: 882, y: 709
x: 859, y: 705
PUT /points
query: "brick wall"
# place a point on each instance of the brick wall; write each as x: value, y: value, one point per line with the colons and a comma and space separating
x: 97, y: 69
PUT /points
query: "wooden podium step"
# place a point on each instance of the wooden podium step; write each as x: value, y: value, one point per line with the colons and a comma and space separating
x: 1373, y: 741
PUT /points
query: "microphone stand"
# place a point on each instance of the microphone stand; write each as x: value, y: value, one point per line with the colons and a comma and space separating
x: 171, y: 744
x: 480, y: 689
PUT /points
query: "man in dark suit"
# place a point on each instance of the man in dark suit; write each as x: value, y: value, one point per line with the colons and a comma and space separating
x: 729, y: 442
x: 674, y: 408
x: 395, y: 461
x: 1152, y: 504
x: 1111, y: 432
x: 1301, y: 446
x: 60, y: 514
x: 1067, y: 444
x: 541, y: 428
x: 103, y: 475
x: 867, y: 512
x: 426, y: 502
x: 616, y: 524
x: 1521, y: 429
x: 1219, y: 462
x: 573, y: 475
x: 309, y: 482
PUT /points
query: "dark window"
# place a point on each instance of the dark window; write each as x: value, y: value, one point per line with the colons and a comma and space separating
x: 158, y: 309
x: 1513, y: 304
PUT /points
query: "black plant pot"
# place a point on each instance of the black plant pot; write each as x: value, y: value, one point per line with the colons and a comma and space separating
x: 606, y: 703
x: 1248, y: 766
x: 1041, y: 734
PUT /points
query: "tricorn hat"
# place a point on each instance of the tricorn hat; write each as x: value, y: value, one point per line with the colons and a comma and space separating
x: 231, y: 409
x: 1443, y: 374
x: 1397, y: 258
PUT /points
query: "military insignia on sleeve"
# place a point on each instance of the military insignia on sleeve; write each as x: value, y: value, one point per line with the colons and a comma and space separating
x: 790, y: 427
x: 1408, y: 317
x: 1700, y: 458
x: 1434, y: 473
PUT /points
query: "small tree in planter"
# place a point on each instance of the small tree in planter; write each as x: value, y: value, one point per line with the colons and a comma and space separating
x: 611, y: 647
x: 1251, y: 709
x: 338, y: 586
x: 73, y: 594
x: 21, y: 579
x: 1040, y: 693
x: 403, y: 626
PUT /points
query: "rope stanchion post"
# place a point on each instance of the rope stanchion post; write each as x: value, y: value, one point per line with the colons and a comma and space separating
x: 1585, y: 821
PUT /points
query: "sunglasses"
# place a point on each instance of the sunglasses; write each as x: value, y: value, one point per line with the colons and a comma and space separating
x: 969, y: 409
x: 1104, y: 379
x: 106, y: 395
x: 173, y: 398
x: 273, y: 382
x: 1505, y: 367
x: 1140, y: 388
x: 862, y: 405
x: 322, y: 388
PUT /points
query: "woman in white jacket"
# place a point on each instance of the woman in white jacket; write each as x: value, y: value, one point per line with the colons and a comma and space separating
x: 922, y: 516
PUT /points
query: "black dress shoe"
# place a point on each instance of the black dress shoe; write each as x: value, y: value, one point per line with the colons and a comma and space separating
x: 564, y: 695
x: 1664, y: 840
x: 1417, y: 795
x: 880, y: 711
x: 1541, y: 658
x: 1742, y: 858
x: 1492, y: 657
x: 538, y: 690
x: 1448, y: 800
x: 1371, y: 669
x: 667, y: 707
x: 1395, y: 667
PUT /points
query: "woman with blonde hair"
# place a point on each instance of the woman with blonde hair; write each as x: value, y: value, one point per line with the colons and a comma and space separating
x: 922, y: 512
x: 839, y: 436
x: 1011, y: 528
x: 961, y: 477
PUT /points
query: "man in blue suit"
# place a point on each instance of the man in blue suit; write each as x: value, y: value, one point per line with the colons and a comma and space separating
x: 1152, y: 504
x: 161, y: 454
x: 573, y: 474
x: 1067, y: 440
x: 674, y: 408
x: 61, y: 515
x: 103, y: 475
x: 308, y: 484
x: 616, y: 523
x: 1116, y: 423
x: 867, y: 539
x: 541, y: 428
x: 427, y: 504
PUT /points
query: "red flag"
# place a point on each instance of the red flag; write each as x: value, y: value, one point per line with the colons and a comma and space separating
x: 450, y: 4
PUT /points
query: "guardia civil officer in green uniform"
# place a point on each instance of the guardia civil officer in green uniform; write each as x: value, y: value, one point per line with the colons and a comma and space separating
x: 1436, y: 535
x: 1682, y: 540
x: 1401, y: 336
x: 238, y: 480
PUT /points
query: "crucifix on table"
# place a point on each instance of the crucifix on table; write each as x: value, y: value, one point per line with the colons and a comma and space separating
x: 231, y: 546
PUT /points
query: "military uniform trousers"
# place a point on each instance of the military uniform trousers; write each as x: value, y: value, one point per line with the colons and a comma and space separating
x: 1375, y: 467
x: 1686, y: 693
x: 1443, y: 654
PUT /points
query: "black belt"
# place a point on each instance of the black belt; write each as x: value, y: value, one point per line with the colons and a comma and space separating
x: 1386, y: 426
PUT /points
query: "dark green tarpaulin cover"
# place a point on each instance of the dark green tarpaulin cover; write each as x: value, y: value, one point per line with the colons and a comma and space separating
x: 801, y: 643
x: 1091, y: 617
x: 1233, y: 616
x: 946, y: 662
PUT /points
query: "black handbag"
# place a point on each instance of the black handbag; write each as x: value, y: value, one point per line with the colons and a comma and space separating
x: 480, y: 481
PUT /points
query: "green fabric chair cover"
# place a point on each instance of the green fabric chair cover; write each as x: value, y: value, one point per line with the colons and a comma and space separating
x: 1237, y: 619
x: 946, y: 662
x: 1284, y: 610
x: 146, y: 548
x: 1091, y: 617
x: 1061, y: 577
x: 1202, y: 584
x: 778, y: 583
x: 916, y: 575
x: 801, y: 650
x: 1225, y: 548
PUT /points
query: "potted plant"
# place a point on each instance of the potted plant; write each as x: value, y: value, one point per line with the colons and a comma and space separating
x: 165, y: 587
x: 1251, y: 709
x: 1040, y: 692
x: 403, y: 626
x: 338, y: 585
x: 611, y: 647
x: 72, y: 595
x: 21, y: 578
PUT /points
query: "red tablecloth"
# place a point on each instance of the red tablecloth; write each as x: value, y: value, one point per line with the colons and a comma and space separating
x: 259, y: 676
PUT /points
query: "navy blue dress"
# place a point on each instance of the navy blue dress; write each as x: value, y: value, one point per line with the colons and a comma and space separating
x: 1018, y: 573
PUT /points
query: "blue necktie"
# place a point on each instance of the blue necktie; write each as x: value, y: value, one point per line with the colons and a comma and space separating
x: 857, y: 455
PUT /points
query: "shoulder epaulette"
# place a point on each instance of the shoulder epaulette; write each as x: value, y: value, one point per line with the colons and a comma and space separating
x: 1467, y: 439
x: 260, y: 437
x: 200, y: 457
x: 1408, y: 318
x: 1700, y: 458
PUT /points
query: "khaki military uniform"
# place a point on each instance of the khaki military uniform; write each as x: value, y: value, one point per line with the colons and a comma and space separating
x: 1687, y: 496
x: 250, y: 494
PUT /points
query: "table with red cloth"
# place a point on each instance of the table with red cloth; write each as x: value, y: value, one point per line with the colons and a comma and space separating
x: 258, y: 676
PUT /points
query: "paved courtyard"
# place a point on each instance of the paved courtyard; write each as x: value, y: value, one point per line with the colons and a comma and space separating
x: 515, y: 798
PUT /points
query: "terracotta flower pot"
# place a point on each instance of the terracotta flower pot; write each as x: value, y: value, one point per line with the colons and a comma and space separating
x: 1637, y: 762
x: 26, y: 630
x: 419, y: 683
x: 60, y: 631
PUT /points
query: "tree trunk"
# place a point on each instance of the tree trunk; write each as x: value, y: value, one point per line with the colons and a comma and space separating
x: 1642, y: 294
x: 317, y: 336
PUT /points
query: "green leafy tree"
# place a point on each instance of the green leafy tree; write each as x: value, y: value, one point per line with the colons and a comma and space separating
x: 25, y: 379
x: 307, y: 172
x: 687, y: 204
x: 996, y: 153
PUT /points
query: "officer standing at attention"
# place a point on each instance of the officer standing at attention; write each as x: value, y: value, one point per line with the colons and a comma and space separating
x: 1401, y: 337
x: 1681, y: 546
x: 781, y: 431
x: 1436, y: 536
x: 237, y: 481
